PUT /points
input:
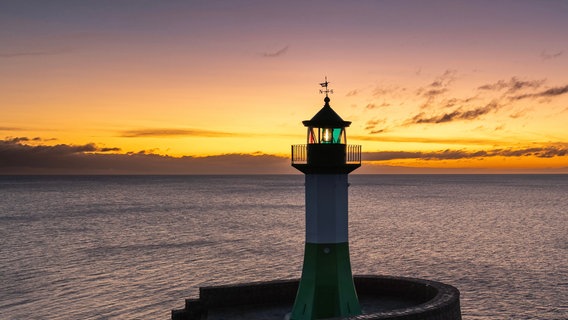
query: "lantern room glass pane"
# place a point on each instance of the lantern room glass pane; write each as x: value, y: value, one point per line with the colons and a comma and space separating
x: 330, y: 135
x: 326, y: 135
x: 311, y: 135
x: 336, y: 135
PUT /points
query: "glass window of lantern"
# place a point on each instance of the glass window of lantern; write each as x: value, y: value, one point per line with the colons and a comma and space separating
x: 331, y: 135
x: 312, y: 138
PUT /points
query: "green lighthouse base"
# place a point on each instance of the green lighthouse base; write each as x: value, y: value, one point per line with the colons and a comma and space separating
x: 326, y: 288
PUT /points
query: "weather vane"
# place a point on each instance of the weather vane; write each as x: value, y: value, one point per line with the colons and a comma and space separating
x: 326, y: 90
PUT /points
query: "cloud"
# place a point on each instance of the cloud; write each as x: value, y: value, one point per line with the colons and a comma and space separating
x: 62, y: 149
x: 18, y: 54
x: 276, y: 53
x: 519, y: 114
x: 540, y: 152
x: 384, y: 90
x: 445, y: 79
x: 352, y: 93
x: 371, y: 106
x: 19, y: 158
x: 372, y: 126
x: 449, y: 103
x: 436, y: 88
x: 17, y: 139
x: 552, y: 92
x: 439, y: 85
x: 454, y: 115
x: 547, y: 56
x: 13, y: 153
x: 433, y: 93
x: 166, y: 132
x: 448, y: 140
x: 435, y: 105
x: 25, y: 139
x: 513, y: 85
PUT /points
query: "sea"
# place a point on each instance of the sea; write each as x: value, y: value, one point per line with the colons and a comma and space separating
x: 135, y: 247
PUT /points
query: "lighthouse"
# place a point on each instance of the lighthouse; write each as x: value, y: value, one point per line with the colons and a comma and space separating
x: 326, y: 288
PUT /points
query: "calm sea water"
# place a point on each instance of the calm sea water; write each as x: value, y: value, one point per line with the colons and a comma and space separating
x: 134, y: 247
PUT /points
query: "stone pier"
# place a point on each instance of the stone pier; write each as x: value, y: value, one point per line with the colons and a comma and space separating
x: 381, y: 297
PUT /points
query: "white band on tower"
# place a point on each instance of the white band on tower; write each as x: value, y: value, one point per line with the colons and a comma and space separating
x: 326, y: 208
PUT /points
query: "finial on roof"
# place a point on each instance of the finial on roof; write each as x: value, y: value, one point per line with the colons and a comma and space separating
x: 326, y: 90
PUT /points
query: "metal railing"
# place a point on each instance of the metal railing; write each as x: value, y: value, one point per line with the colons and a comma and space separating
x: 300, y: 154
x: 353, y: 153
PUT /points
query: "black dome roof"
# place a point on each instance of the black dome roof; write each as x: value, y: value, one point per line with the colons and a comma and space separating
x: 326, y: 117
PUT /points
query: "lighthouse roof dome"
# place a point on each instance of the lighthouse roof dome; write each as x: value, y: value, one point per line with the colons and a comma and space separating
x: 326, y: 117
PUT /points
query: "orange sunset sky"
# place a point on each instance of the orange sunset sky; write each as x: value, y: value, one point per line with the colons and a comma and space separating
x: 192, y: 87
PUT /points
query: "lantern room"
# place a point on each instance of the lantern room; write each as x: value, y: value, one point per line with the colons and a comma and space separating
x: 326, y: 127
x: 326, y: 150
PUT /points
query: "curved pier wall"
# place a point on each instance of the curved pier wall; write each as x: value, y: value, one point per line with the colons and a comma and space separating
x: 425, y: 300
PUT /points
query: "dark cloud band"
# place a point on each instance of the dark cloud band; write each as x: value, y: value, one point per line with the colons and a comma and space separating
x: 540, y: 152
x: 18, y: 158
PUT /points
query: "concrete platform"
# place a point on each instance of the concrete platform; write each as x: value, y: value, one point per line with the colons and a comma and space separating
x: 381, y: 297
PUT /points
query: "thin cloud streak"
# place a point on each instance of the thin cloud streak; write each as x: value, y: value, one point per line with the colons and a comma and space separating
x: 165, y: 132
x: 401, y: 139
x: 513, y: 85
x: 544, y: 94
x: 458, y: 114
x: 372, y: 125
x: 18, y: 54
x: 20, y: 139
x: 547, y: 56
x: 276, y: 53
x: 352, y: 93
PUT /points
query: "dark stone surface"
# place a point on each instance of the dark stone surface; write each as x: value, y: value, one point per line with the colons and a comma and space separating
x: 381, y: 297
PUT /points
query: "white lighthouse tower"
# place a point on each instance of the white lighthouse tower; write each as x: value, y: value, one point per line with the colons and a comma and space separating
x: 326, y: 288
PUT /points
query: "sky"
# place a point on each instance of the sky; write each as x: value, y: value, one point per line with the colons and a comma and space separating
x: 222, y: 87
